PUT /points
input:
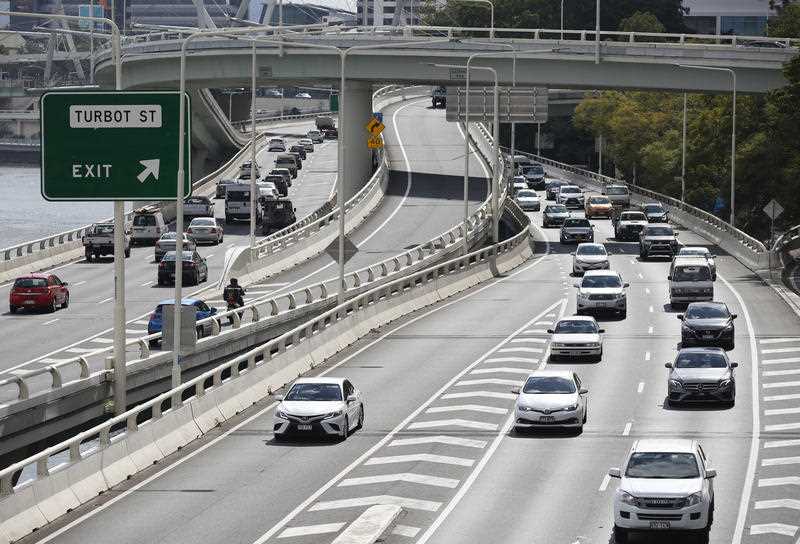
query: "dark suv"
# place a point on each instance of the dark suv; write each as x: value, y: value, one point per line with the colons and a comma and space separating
x: 278, y: 214
x: 657, y: 239
x: 708, y: 324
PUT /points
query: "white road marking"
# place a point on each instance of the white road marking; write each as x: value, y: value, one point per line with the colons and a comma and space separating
x: 307, y: 530
x: 488, y: 381
x: 102, y: 340
x: 647, y: 290
x: 781, y: 397
x: 411, y: 504
x: 419, y: 458
x: 466, y: 408
x: 109, y: 299
x: 604, y: 483
x: 780, y: 461
x: 650, y: 330
x: 548, y: 315
x: 781, y: 361
x: 771, y: 482
x: 405, y: 530
x: 640, y: 388
x: 641, y: 276
x: 780, y: 350
x: 627, y: 430
x: 543, y: 323
x: 791, y: 372
x: 773, y: 528
x: 145, y: 284
x: 485, y: 394
x: 792, y: 504
x: 50, y: 322
x: 782, y: 443
x: 529, y: 340
x: 782, y: 427
x: 646, y: 355
x: 439, y: 439
x: 537, y: 331
x: 77, y: 283
x: 408, y: 477
x: 775, y: 385
x: 511, y: 360
x: 50, y: 361
x: 209, y: 255
x: 521, y: 350
x: 141, y: 322
x: 502, y: 370
x: 136, y: 332
x: 81, y: 350
x: 464, y: 423
x: 782, y: 411
x: 777, y: 340
x: 651, y: 309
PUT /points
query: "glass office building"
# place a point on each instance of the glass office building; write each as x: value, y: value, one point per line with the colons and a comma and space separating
x: 740, y: 17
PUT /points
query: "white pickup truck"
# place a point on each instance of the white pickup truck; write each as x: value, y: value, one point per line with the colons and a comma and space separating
x: 99, y: 241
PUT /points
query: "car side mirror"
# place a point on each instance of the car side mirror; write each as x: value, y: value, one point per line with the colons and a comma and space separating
x: 626, y: 285
x: 278, y: 398
x: 734, y: 316
x: 583, y: 391
x: 213, y: 311
x: 295, y: 209
x: 680, y: 317
x: 667, y: 365
x: 352, y: 398
x: 515, y: 391
x: 549, y: 331
x: 614, y: 473
x: 601, y: 331
x: 572, y: 253
x: 576, y: 285
x: 64, y: 284
x: 669, y: 278
x: 734, y: 365
x: 713, y: 256
x: 711, y: 473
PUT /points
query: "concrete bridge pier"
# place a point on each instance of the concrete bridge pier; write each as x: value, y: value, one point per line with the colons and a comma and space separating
x: 357, y: 109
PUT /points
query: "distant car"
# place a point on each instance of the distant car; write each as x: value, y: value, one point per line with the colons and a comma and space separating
x: 148, y: 226
x: 167, y: 243
x: 602, y: 290
x: 555, y: 215
x: 518, y: 183
x: 657, y: 239
x: 551, y: 188
x: 520, y: 161
x: 246, y: 167
x: 619, y: 195
x: 576, y: 336
x: 198, y: 206
x: 299, y: 149
x: 307, y: 143
x: 322, y: 406
x: 287, y: 175
x: 589, y: 256
x: 205, y: 229
x: 280, y: 183
x: 665, y: 485
x: 38, y: 291
x: 528, y: 200
x: 316, y: 136
x: 194, y: 268
x: 655, y: 212
x: 534, y: 175
x: 551, y: 398
x: 268, y: 190
x: 598, y: 206
x: 708, y: 324
x: 700, y: 251
x: 770, y: 44
x: 701, y: 375
x: 302, y: 95
x: 628, y: 224
x: 278, y: 214
x: 276, y: 144
x: 576, y: 229
x: 331, y: 133
x: 203, y: 310
x: 570, y: 196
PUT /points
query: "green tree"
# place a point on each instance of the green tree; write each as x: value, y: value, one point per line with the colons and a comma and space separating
x: 641, y: 22
x: 787, y: 23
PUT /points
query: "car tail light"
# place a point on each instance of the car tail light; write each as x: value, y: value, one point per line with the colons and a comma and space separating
x: 162, y: 264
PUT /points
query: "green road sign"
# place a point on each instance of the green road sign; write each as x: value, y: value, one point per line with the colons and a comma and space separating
x: 115, y: 145
x: 333, y: 102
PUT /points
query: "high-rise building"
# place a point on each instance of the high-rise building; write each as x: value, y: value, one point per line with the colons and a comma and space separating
x: 307, y: 14
x: 388, y: 12
x: 741, y: 17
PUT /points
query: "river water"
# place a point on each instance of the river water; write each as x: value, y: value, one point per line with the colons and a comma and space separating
x: 25, y: 215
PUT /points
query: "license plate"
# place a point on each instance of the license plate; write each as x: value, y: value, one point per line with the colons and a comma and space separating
x: 547, y: 419
x: 659, y: 525
x: 708, y: 336
x: 29, y: 302
x: 304, y: 427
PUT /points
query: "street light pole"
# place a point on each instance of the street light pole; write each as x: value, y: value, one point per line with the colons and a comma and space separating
x: 683, y: 154
x: 733, y: 130
x: 562, y: 19
x: 253, y: 184
x: 597, y: 34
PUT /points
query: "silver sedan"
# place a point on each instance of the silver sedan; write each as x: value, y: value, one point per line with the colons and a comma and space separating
x: 205, y: 229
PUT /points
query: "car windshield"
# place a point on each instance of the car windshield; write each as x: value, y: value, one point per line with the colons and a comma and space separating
x: 700, y: 251
x: 577, y: 223
x: 528, y: 194
x: 591, y: 250
x: 706, y: 311
x: 570, y: 190
x: 659, y: 231
x: 601, y: 282
x: 104, y: 229
x: 203, y: 222
x: 691, y: 273
x: 315, y: 392
x: 576, y: 327
x: 653, y: 208
x: 169, y: 236
x: 662, y: 465
x: 144, y: 221
x: 30, y: 282
x: 616, y: 191
x: 556, y: 209
x: 170, y: 256
x: 700, y: 359
x: 238, y: 196
x: 633, y: 216
x: 549, y: 385
x: 533, y: 170
x: 599, y: 200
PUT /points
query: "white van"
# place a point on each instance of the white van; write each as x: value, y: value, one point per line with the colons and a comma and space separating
x: 690, y: 280
x: 148, y: 226
x: 237, y: 204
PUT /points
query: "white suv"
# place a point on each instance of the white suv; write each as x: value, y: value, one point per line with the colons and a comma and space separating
x: 665, y: 485
x: 602, y: 290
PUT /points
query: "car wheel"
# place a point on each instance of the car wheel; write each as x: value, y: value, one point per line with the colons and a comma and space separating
x: 196, y: 278
x: 221, y: 238
x: 642, y: 254
x: 52, y: 307
x: 360, y: 418
x: 623, y: 314
x: 620, y: 535
x: 12, y: 309
x: 127, y: 253
x: 65, y: 304
x: 703, y: 536
x: 88, y: 257
x: 199, y: 331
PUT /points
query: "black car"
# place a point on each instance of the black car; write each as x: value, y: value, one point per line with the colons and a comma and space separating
x: 278, y: 214
x: 195, y: 269
x: 659, y: 239
x: 298, y: 158
x: 534, y: 176
x: 701, y: 375
x: 708, y: 324
x: 576, y: 229
x: 655, y: 212
x: 300, y: 150
x: 554, y: 215
x: 331, y: 133
x: 280, y: 183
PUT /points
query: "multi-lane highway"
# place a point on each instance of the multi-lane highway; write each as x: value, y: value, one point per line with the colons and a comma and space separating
x: 437, y: 387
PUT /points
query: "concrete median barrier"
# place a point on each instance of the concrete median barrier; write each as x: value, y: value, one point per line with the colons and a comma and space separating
x: 117, y: 463
x: 177, y: 428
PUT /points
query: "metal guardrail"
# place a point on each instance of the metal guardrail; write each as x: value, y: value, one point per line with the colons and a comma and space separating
x: 242, y: 125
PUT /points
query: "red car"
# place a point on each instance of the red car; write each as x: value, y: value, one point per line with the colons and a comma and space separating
x: 38, y: 291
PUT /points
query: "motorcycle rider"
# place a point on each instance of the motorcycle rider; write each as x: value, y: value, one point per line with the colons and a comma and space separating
x: 234, y: 296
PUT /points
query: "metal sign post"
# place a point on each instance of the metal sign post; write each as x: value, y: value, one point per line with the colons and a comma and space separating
x: 773, y: 210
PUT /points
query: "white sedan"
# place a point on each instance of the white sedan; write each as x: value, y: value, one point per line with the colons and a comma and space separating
x: 589, y: 256
x: 321, y: 406
x: 551, y: 398
x: 528, y: 200
x: 576, y: 336
x: 205, y: 229
x: 307, y: 144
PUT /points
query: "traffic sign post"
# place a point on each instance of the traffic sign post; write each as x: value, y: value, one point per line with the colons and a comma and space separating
x: 116, y: 145
x: 375, y: 127
x: 773, y: 210
x: 375, y: 142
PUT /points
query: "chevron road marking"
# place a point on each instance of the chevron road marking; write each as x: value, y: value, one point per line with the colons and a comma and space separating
x: 485, y: 394
x: 405, y: 530
x: 782, y: 427
x: 488, y: 381
x: 793, y: 504
x: 781, y: 361
x: 502, y: 370
x: 466, y: 408
x: 409, y: 477
x: 439, y: 439
x: 520, y: 349
x: 774, y: 385
x: 782, y: 443
x: 411, y: 504
x: 776, y: 461
x: 771, y: 482
x: 781, y: 411
x: 421, y: 457
x: 780, y: 350
x: 465, y: 423
x: 777, y: 340
x: 512, y: 360
x: 782, y: 397
x: 528, y: 340
x: 306, y: 530
x: 773, y: 528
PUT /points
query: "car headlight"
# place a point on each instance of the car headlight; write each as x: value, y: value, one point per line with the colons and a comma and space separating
x: 728, y: 327
x: 525, y: 408
x: 333, y: 414
x: 281, y: 414
x: 593, y: 345
x: 724, y: 384
x: 694, y: 498
x: 627, y: 498
x: 571, y: 407
x: 676, y: 385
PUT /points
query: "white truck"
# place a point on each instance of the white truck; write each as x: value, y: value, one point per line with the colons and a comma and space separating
x: 99, y: 241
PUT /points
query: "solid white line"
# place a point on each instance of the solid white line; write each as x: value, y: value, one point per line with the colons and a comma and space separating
x: 464, y: 423
x: 50, y: 322
x: 502, y: 370
x: 646, y: 355
x: 405, y: 530
x: 488, y: 381
x: 466, y: 408
x: 780, y: 461
x: 307, y: 530
x: 604, y: 483
x: 640, y: 388
x: 774, y: 398
x: 411, y: 504
x: 771, y: 482
x: 424, y: 479
x: 777, y: 340
x: 627, y: 430
x: 780, y: 350
x: 109, y: 299
x: 521, y: 350
x: 439, y: 439
x: 782, y: 443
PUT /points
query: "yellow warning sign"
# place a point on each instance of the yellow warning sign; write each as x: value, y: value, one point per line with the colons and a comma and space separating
x: 375, y: 127
x: 375, y: 142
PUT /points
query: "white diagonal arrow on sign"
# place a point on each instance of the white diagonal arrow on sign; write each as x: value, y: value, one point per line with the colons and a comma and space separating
x: 150, y: 167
